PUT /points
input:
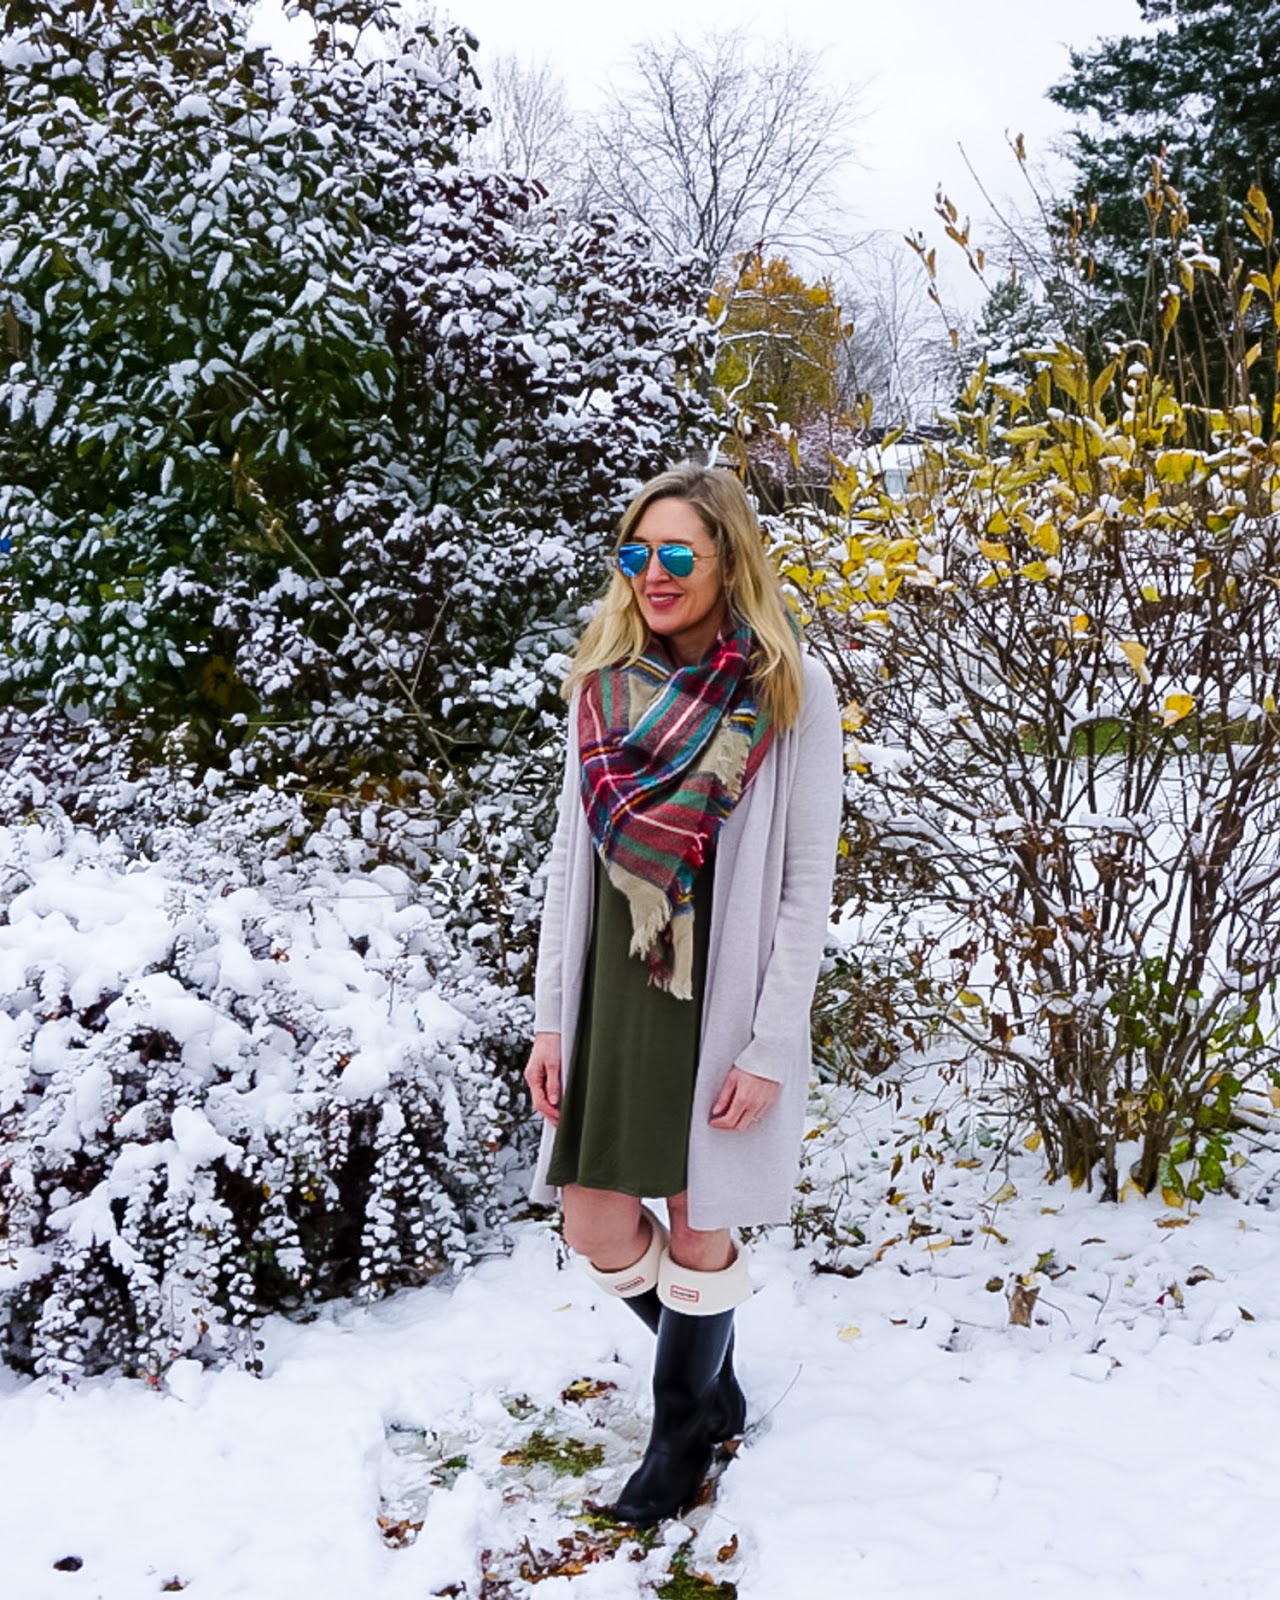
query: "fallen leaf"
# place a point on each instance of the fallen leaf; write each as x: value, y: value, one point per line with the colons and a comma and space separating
x: 1172, y: 1222
x: 1093, y: 1239
x: 1022, y: 1302
x: 1005, y: 1192
x: 994, y: 1285
x: 1247, y: 1315
x: 994, y: 1232
x: 940, y: 1244
x: 1050, y: 1211
x: 848, y: 1334
x: 969, y: 1161
x: 888, y: 1245
x: 586, y: 1389
x: 726, y: 1552
x: 1033, y: 1141
x: 398, y: 1533
x: 1200, y: 1275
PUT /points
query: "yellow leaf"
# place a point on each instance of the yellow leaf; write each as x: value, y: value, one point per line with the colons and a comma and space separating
x: 1136, y: 655
x: 1172, y: 1222
x: 940, y: 1244
x: 875, y: 616
x: 999, y: 1238
x: 848, y: 1334
x: 1079, y: 623
x: 1034, y: 571
x: 1150, y: 592
x: 1201, y: 571
x: 1046, y: 538
x: 1172, y: 1198
x: 1177, y: 706
x: 1005, y: 1192
x: 993, y: 552
x: 1102, y: 383
x: 1180, y: 466
x: 966, y: 997
x: 1033, y: 1141
x: 852, y: 717
x: 972, y: 1161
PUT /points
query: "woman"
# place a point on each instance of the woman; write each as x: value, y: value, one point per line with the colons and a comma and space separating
x: 688, y: 893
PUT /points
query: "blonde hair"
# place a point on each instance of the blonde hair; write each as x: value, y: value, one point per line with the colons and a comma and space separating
x: 618, y: 632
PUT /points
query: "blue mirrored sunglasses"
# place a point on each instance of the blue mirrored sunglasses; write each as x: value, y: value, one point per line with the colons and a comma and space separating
x: 677, y: 559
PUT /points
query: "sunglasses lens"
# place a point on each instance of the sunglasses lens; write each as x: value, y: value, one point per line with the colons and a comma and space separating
x: 677, y: 559
x: 633, y: 559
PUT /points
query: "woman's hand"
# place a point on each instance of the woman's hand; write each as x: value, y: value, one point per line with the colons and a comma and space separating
x: 742, y: 1101
x: 542, y: 1074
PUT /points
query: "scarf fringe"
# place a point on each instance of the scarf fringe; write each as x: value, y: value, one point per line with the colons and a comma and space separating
x: 651, y: 917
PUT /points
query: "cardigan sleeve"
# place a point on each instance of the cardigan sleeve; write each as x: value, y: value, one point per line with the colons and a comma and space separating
x: 804, y: 909
x: 548, y: 982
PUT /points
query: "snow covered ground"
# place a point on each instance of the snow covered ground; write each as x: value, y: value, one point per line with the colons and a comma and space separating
x: 906, y: 1438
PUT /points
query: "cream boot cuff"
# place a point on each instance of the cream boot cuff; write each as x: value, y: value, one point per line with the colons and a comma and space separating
x: 704, y: 1294
x: 640, y: 1275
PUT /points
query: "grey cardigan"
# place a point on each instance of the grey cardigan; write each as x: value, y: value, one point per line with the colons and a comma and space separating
x: 775, y: 858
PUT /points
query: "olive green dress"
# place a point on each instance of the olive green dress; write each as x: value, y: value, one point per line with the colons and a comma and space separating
x: 624, y: 1123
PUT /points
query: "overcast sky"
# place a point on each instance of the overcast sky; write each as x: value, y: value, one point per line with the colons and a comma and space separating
x: 928, y: 77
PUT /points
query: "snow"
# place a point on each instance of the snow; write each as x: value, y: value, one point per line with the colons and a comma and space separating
x: 905, y: 1439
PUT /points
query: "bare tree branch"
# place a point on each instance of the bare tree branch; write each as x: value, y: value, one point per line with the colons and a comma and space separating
x: 716, y: 147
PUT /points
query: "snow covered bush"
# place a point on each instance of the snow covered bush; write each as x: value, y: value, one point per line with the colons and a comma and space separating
x: 1067, y: 716
x: 187, y: 232
x: 244, y: 1065
x: 308, y: 439
x: 310, y: 448
x: 541, y: 375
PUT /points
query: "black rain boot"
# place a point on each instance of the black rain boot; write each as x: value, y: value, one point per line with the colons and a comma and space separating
x: 728, y: 1416
x: 687, y: 1363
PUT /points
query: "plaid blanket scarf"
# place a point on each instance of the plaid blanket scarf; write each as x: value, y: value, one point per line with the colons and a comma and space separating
x: 665, y: 758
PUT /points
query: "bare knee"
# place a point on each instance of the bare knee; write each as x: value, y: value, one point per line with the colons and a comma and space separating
x: 700, y: 1249
x: 604, y: 1226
